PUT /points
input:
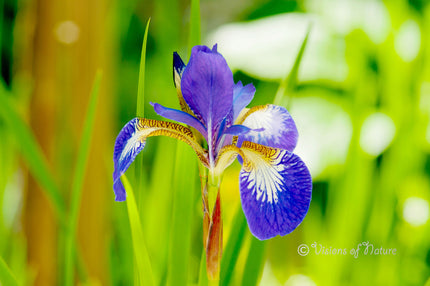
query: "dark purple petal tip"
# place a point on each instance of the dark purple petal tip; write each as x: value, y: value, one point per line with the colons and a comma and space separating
x: 178, y: 66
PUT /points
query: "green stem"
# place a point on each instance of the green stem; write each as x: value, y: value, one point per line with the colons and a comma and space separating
x: 212, y: 226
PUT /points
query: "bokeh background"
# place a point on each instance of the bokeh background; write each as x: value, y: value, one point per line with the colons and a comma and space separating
x: 360, y: 99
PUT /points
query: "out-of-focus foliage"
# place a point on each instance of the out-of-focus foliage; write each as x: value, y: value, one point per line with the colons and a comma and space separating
x: 361, y: 103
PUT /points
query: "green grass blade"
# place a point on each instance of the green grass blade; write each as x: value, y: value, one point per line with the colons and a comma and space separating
x: 254, y: 263
x: 290, y: 82
x: 233, y: 247
x: 140, y: 112
x: 140, y: 108
x: 203, y: 275
x: 195, y: 30
x: 78, y: 180
x: 141, y: 256
x: 185, y: 191
x: 6, y: 276
x: 32, y: 154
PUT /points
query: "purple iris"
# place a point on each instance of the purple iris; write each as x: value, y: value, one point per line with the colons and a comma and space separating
x: 275, y: 184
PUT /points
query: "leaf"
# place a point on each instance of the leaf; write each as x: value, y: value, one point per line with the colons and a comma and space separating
x: 195, y: 30
x: 290, y: 82
x: 254, y: 263
x: 141, y: 256
x: 32, y: 154
x: 185, y: 191
x: 203, y: 276
x: 6, y: 276
x: 141, y: 85
x: 233, y: 247
x: 140, y: 112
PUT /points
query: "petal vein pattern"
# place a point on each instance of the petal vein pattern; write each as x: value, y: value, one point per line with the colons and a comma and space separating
x: 275, y: 188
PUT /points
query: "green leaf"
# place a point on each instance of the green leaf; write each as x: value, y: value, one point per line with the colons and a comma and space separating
x: 290, y: 82
x: 195, y: 30
x: 141, y: 256
x: 254, y: 263
x: 138, y: 165
x: 185, y: 190
x: 233, y: 247
x: 141, y: 85
x: 78, y: 180
x: 203, y: 275
x: 32, y: 154
x: 6, y: 276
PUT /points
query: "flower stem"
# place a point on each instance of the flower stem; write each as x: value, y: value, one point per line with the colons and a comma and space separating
x: 212, y: 224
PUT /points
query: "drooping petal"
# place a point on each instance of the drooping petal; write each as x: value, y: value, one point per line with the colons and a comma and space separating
x: 275, y: 190
x: 207, y: 87
x: 179, y: 116
x: 277, y: 125
x: 131, y: 140
x: 178, y: 70
x: 242, y: 96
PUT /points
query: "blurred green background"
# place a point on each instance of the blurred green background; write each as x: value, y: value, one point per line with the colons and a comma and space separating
x: 360, y: 99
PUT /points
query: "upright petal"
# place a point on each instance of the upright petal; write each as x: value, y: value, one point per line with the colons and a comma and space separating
x: 207, y: 87
x: 277, y: 125
x: 131, y: 140
x: 275, y: 190
x: 242, y: 96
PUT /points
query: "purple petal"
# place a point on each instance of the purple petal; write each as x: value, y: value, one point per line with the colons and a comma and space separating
x: 278, y: 127
x: 180, y: 116
x: 207, y: 87
x: 242, y: 96
x: 275, y: 190
x: 127, y: 145
x: 237, y: 130
x: 131, y: 140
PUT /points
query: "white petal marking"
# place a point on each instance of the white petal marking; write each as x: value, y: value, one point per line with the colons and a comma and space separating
x: 264, y: 177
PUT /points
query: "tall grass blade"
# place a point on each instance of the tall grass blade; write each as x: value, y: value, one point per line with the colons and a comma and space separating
x: 254, y: 262
x: 140, y: 107
x: 141, y: 256
x: 290, y: 82
x: 6, y: 276
x: 78, y: 180
x: 203, y: 275
x: 185, y: 191
x: 32, y: 154
x: 232, y: 249
x: 195, y: 30
x: 140, y: 112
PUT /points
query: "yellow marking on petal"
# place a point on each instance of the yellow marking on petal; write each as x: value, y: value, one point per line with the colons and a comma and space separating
x: 267, y: 152
x: 264, y: 167
x: 184, y: 106
x: 225, y: 157
x: 150, y: 127
x: 245, y: 113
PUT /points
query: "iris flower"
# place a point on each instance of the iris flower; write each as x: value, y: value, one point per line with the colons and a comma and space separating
x: 275, y: 184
